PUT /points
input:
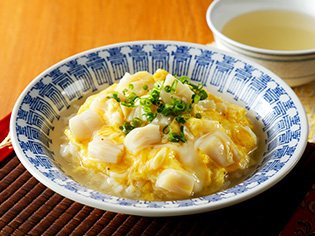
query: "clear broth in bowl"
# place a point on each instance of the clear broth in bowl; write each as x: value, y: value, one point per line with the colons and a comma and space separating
x: 273, y: 29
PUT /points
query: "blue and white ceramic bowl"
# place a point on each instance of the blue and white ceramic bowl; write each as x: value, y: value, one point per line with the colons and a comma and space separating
x: 294, y: 67
x: 276, y: 110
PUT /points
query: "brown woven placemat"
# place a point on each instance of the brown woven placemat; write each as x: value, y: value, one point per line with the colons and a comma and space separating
x: 27, y: 207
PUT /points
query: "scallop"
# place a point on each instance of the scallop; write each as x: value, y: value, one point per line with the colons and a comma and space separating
x: 162, y: 120
x: 104, y: 150
x: 158, y: 159
x: 182, y: 92
x: 219, y: 147
x: 82, y: 126
x: 135, y: 113
x: 199, y: 127
x: 99, y: 100
x: 176, y: 182
x: 140, y: 138
x: 137, y: 80
x: 113, y: 113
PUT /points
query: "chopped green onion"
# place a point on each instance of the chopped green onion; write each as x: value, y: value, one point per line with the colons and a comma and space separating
x: 187, y: 116
x: 182, y: 139
x: 191, y: 84
x: 179, y: 107
x: 174, y: 137
x: 145, y: 102
x: 198, y: 115
x: 203, y: 95
x: 166, y: 111
x: 188, y: 107
x: 182, y: 131
x: 150, y: 116
x: 115, y: 96
x: 196, y: 98
x: 158, y: 84
x: 155, y: 95
x: 160, y: 107
x: 132, y: 96
x: 145, y: 87
x: 200, y: 86
x: 167, y: 89
x: 166, y: 129
x: 136, y: 122
x: 124, y: 91
x: 130, y: 86
x: 169, y: 105
x: 174, y: 85
x: 175, y: 100
x: 176, y: 108
x: 180, y: 119
x: 146, y: 109
x: 127, y: 104
x: 183, y: 79
x: 126, y: 127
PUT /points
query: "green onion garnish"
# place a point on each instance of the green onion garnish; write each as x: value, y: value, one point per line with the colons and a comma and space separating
x: 115, y: 96
x: 180, y: 119
x: 146, y: 109
x: 198, y: 115
x: 167, y: 88
x: 132, y: 96
x: 174, y: 137
x: 183, y: 79
x: 145, y: 87
x: 166, y: 111
x: 127, y: 104
x: 126, y: 127
x: 155, y: 96
x: 179, y: 107
x: 166, y: 129
x: 150, y: 116
x: 189, y: 107
x: 158, y: 85
x: 145, y: 102
x: 200, y: 86
x: 196, y: 98
x: 160, y: 107
x: 187, y: 116
x: 176, y: 108
x: 174, y: 85
x: 136, y: 122
x: 124, y: 91
x: 203, y: 95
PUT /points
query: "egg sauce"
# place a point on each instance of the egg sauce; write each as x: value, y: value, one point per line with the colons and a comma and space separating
x: 214, y: 146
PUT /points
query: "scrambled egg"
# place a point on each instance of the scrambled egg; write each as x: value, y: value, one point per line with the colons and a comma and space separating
x: 152, y: 153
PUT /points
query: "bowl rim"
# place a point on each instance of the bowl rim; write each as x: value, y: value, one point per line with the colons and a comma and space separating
x: 141, y: 210
x: 252, y: 49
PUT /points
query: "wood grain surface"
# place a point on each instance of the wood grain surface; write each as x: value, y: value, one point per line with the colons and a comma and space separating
x: 36, y: 34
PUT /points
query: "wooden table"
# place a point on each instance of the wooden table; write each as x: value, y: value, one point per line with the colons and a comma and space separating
x: 36, y: 34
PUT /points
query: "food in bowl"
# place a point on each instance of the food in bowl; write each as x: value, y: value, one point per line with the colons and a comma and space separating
x: 159, y: 137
